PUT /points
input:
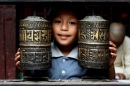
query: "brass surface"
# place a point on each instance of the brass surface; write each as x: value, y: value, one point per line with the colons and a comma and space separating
x: 35, y: 43
x: 93, y: 42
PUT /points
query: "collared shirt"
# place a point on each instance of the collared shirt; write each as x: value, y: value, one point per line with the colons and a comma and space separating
x: 65, y: 67
x: 122, y: 62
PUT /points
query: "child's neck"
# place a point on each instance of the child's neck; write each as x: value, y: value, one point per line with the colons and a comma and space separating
x: 65, y: 49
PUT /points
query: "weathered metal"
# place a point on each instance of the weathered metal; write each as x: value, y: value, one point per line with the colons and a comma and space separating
x: 35, y: 43
x: 93, y: 42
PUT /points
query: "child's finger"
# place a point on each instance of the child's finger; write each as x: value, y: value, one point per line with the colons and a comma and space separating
x: 17, y: 63
x: 18, y: 50
x: 17, y: 58
x: 113, y: 49
x: 112, y: 44
x: 113, y: 55
x: 18, y: 53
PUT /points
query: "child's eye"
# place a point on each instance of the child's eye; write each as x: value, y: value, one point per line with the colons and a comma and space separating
x: 57, y: 21
x: 73, y: 23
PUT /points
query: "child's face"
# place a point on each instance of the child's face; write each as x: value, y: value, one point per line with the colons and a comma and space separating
x: 65, y: 28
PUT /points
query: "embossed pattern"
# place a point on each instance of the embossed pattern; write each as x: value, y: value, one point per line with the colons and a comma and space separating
x: 35, y: 43
x: 93, y: 50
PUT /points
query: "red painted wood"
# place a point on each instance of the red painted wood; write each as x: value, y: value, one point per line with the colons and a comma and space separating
x: 10, y: 40
x: 2, y: 56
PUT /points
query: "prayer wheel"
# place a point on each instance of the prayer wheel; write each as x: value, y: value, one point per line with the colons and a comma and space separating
x: 93, y: 42
x: 35, y: 43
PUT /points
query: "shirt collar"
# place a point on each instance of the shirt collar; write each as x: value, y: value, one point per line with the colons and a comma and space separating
x: 57, y: 53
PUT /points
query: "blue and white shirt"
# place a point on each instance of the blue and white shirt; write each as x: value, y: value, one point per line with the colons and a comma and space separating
x: 65, y: 67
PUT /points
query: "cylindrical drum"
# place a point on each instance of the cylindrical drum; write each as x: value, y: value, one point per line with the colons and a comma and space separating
x: 93, y: 42
x: 35, y: 43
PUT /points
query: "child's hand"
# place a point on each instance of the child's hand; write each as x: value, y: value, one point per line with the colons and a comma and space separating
x: 17, y: 59
x: 121, y: 76
x: 113, y: 53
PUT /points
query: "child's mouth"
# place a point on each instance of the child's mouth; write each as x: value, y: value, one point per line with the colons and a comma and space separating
x: 63, y: 37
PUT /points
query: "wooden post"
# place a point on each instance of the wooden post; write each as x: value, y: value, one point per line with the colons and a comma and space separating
x: 2, y: 56
x: 10, y: 40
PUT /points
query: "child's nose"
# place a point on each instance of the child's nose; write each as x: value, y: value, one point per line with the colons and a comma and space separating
x: 64, y: 27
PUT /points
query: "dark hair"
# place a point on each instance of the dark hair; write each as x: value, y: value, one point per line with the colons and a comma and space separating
x: 77, y: 9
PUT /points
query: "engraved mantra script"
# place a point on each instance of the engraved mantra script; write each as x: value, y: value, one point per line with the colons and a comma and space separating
x: 35, y: 57
x: 35, y: 35
x: 95, y: 34
x: 93, y: 54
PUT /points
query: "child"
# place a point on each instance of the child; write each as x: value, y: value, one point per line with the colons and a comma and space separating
x: 64, y: 46
x: 122, y: 62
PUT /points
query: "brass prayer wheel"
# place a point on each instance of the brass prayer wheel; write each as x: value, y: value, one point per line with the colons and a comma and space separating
x: 35, y: 43
x: 93, y: 42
